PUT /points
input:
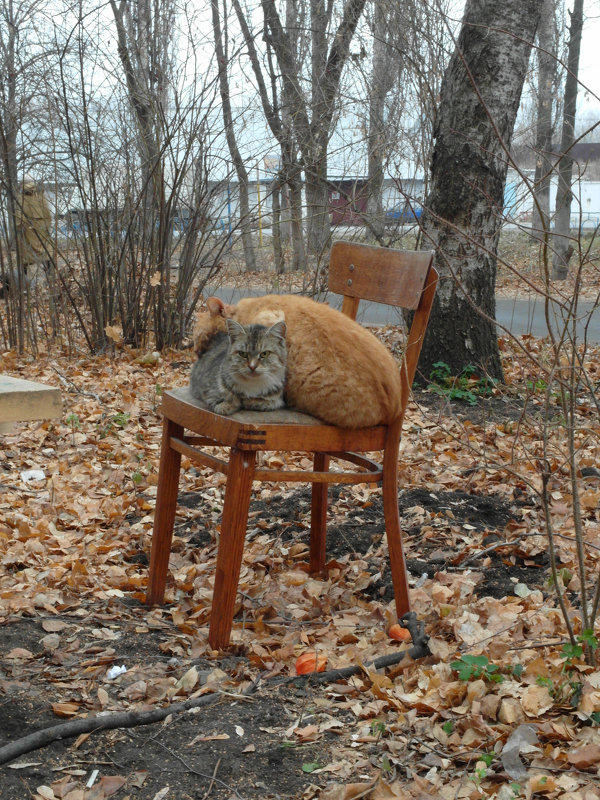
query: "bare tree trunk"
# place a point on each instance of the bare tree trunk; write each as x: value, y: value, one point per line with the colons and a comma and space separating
x: 142, y: 49
x: 479, y: 101
x: 295, y: 198
x: 276, y: 226
x: 562, y: 247
x: 547, y: 59
x: 381, y: 82
x: 313, y: 121
x: 9, y: 124
x: 236, y: 157
x: 277, y: 114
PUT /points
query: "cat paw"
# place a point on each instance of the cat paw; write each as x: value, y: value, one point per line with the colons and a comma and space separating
x: 226, y: 408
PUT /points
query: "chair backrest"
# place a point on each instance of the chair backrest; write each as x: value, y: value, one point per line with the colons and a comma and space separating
x: 403, y: 278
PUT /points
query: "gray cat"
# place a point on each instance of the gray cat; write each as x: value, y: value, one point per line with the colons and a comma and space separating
x: 244, y: 368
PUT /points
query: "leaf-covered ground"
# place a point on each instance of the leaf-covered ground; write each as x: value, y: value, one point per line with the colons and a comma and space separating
x: 74, y: 547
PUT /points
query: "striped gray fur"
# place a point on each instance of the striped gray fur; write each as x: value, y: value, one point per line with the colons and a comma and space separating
x: 243, y: 368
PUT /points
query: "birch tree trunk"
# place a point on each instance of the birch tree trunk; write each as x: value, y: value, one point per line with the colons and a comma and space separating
x: 547, y: 57
x: 479, y: 100
x: 562, y: 248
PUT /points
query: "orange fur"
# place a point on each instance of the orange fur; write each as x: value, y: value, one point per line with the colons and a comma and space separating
x: 337, y: 370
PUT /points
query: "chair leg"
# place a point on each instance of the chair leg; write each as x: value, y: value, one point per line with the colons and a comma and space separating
x: 164, y: 514
x: 318, y: 517
x: 394, y: 533
x: 231, y: 545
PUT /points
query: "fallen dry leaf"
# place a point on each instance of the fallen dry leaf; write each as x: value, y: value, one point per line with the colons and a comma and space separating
x: 585, y: 757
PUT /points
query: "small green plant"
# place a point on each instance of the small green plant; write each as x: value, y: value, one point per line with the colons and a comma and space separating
x: 467, y: 386
x: 469, y: 666
x: 73, y: 420
x: 448, y: 727
x: 515, y: 669
x: 479, y: 773
x: 564, y: 574
x: 569, y: 689
x: 386, y: 766
x: 117, y: 421
x: 573, y: 652
x: 377, y: 728
x: 539, y: 387
x: 121, y: 420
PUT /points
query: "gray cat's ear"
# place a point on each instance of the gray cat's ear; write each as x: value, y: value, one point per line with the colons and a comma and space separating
x: 278, y: 329
x: 235, y: 330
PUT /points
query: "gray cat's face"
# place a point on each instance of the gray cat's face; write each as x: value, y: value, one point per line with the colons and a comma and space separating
x: 255, y: 350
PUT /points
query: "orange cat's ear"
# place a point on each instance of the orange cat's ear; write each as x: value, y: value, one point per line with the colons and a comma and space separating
x: 216, y: 307
x: 278, y: 329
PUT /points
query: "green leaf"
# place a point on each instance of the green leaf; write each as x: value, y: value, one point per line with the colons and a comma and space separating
x: 587, y: 637
x: 481, y: 661
x: 570, y: 651
x: 385, y: 764
x: 448, y: 727
x: 311, y: 766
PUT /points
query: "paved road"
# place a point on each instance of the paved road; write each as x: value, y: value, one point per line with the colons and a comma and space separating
x: 518, y: 316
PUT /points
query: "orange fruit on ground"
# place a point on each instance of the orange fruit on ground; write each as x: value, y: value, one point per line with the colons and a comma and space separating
x: 399, y: 633
x: 310, y: 662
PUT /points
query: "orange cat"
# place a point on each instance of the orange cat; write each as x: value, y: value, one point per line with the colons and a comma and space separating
x: 337, y: 370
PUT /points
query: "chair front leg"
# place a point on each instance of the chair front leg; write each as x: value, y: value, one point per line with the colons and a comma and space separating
x: 164, y: 513
x: 231, y: 545
x: 394, y: 532
x: 318, y: 517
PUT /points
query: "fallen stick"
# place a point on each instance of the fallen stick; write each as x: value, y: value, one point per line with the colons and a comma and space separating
x: 106, y: 722
x: 419, y: 649
x: 132, y: 719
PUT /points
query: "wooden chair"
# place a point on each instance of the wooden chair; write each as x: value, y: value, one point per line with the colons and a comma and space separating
x: 399, y: 278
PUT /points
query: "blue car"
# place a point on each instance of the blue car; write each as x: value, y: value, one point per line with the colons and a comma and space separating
x: 403, y: 214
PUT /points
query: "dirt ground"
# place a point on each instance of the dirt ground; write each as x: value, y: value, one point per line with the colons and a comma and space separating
x: 240, y: 747
x: 278, y: 737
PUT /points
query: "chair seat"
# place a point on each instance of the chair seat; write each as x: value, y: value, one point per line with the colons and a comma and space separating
x: 282, y: 416
x: 267, y: 430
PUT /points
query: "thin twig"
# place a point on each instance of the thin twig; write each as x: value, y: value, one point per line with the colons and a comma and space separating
x: 67, y: 382
x: 489, y: 549
x: 212, y: 780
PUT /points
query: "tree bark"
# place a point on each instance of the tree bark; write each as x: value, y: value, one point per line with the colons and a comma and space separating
x: 562, y: 246
x: 381, y: 82
x: 479, y: 100
x: 312, y: 121
x: 236, y: 157
x: 547, y: 58
x: 278, y: 119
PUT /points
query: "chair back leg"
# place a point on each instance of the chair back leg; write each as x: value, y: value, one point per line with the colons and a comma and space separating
x: 318, y: 517
x: 231, y: 545
x: 164, y: 514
